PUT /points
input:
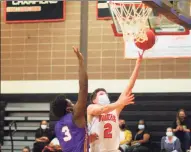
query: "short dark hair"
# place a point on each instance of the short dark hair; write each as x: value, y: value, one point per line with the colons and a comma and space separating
x: 59, y: 105
x: 94, y: 94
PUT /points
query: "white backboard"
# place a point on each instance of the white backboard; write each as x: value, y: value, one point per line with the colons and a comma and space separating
x: 169, y: 46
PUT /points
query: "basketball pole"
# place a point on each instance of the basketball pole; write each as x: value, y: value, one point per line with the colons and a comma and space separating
x: 84, y: 30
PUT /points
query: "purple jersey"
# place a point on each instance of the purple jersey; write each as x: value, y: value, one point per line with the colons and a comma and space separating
x: 70, y: 136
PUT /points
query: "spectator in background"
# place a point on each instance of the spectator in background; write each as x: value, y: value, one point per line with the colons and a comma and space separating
x: 42, y: 137
x: 125, y: 136
x: 26, y: 149
x: 170, y: 143
x: 181, y: 128
x: 54, y: 145
x: 141, y: 141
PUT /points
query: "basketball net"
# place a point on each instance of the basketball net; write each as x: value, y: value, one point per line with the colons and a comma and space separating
x: 132, y: 19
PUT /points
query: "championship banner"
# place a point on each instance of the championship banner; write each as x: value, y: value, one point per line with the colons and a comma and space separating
x: 34, y: 11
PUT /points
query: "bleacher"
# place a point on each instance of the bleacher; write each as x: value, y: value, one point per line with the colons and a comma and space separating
x: 158, y: 110
x: 2, y: 116
x: 27, y: 117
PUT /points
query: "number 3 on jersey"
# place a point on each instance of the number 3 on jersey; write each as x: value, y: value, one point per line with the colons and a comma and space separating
x: 67, y: 133
x: 107, y: 130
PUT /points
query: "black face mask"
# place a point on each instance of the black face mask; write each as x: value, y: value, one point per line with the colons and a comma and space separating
x: 122, y: 126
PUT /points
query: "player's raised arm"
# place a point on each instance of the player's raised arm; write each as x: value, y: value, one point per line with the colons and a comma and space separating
x: 133, y: 77
x: 96, y: 109
x: 132, y: 80
x: 80, y: 106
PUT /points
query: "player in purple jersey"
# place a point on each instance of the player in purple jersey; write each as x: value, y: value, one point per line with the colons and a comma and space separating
x: 71, y: 128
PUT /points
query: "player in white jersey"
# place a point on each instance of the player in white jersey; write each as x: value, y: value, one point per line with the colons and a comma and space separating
x: 103, y: 116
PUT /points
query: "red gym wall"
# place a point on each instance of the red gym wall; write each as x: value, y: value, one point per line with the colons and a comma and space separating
x: 43, y: 51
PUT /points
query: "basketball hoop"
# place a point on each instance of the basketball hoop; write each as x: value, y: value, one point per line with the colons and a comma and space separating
x: 132, y: 19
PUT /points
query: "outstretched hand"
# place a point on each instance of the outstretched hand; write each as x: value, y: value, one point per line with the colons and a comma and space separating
x: 127, y: 99
x: 78, y: 54
x: 141, y: 53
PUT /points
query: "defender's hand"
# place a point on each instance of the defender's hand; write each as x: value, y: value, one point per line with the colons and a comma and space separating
x: 78, y: 54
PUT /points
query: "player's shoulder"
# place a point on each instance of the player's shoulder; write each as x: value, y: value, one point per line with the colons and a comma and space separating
x: 65, y: 118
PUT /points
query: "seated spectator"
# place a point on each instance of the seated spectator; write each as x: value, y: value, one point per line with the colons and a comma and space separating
x: 54, y: 145
x: 26, y: 149
x: 141, y: 141
x: 125, y: 136
x: 43, y: 136
x: 170, y: 143
x: 181, y: 128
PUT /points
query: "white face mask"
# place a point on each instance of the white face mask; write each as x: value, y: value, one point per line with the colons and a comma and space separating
x: 169, y: 134
x: 103, y: 99
x: 43, y: 126
x: 141, y: 127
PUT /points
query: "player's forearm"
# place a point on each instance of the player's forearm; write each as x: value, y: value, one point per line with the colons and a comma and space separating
x: 79, y: 109
x: 97, y: 110
x: 110, y: 107
x: 133, y: 76
x: 83, y: 77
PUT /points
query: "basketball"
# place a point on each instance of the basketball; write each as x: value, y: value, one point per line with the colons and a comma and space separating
x: 147, y: 44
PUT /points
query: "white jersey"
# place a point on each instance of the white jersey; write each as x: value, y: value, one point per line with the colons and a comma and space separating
x: 107, y: 128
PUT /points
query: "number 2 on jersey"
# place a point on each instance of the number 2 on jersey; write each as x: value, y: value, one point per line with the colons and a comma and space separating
x: 107, y: 130
x: 67, y: 133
